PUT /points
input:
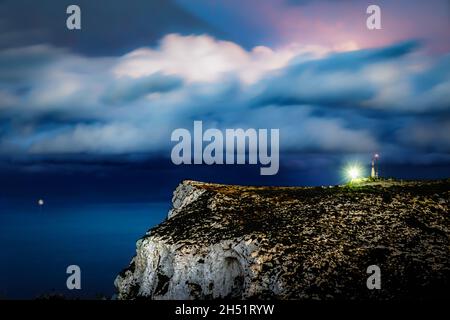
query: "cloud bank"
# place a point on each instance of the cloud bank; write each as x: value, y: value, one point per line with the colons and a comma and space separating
x: 392, y: 99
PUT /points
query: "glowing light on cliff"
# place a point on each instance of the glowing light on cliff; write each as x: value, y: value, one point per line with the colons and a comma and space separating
x: 353, y: 172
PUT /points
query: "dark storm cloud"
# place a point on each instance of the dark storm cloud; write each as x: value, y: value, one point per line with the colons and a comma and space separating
x: 369, y: 79
x: 19, y: 63
x: 355, y: 60
x: 128, y: 90
x: 109, y: 27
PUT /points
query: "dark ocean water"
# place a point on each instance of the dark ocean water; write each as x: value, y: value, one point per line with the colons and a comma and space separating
x: 37, y: 244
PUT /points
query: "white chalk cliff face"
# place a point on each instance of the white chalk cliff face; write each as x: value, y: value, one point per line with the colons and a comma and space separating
x: 172, y: 272
x: 162, y: 270
x: 294, y: 243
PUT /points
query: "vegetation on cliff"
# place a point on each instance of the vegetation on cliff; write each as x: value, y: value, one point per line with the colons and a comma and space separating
x: 296, y: 243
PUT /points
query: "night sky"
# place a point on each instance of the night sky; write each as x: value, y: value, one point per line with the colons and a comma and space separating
x: 88, y: 114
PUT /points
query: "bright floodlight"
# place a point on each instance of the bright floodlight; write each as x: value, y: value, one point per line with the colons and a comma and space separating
x: 354, y: 172
x: 40, y: 202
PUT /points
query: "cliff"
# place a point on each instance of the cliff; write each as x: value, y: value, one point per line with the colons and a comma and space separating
x: 222, y: 241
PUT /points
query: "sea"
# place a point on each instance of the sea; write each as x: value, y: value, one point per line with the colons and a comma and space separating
x: 39, y: 243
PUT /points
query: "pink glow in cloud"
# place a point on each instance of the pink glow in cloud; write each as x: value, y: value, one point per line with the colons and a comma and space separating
x: 338, y: 25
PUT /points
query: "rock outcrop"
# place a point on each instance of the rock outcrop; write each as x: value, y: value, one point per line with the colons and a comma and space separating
x: 222, y: 241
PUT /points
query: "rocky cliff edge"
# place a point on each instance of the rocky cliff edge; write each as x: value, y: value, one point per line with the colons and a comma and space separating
x: 223, y: 241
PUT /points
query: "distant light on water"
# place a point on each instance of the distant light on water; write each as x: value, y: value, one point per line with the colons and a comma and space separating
x: 40, y: 202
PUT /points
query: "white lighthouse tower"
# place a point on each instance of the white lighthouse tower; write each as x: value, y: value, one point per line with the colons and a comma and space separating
x: 374, y: 171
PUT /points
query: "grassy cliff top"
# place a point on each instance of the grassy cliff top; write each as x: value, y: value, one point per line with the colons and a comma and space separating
x: 222, y: 211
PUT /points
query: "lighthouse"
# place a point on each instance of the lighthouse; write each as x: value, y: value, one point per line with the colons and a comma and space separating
x: 374, y: 171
